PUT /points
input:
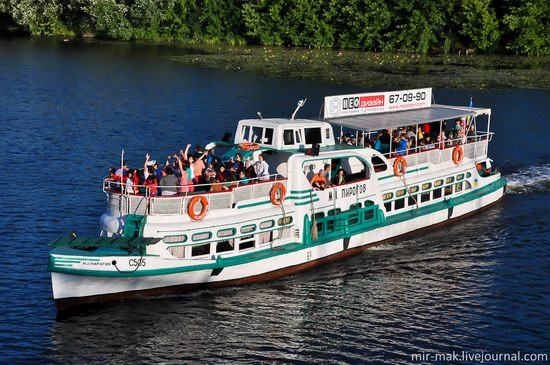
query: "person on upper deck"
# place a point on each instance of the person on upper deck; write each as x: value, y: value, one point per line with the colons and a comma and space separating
x: 261, y: 168
x: 169, y: 183
x: 237, y: 164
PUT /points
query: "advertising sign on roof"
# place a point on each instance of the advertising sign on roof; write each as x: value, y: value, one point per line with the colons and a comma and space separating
x: 388, y: 101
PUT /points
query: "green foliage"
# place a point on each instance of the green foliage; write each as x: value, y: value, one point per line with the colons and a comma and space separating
x: 480, y: 23
x: 530, y: 24
x: 417, y: 26
x: 109, y: 19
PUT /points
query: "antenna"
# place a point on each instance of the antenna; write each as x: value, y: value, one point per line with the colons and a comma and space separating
x: 260, y: 115
x: 301, y: 103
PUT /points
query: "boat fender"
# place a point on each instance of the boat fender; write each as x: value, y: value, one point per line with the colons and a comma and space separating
x: 277, y: 193
x: 191, y: 208
x: 399, y: 166
x: 458, y: 155
x: 249, y: 146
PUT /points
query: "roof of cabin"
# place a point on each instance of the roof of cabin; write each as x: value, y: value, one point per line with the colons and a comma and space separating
x: 281, y: 121
x: 403, y: 118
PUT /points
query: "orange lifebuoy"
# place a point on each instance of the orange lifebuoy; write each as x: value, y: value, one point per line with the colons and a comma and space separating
x: 249, y: 146
x: 458, y: 155
x: 399, y: 166
x: 191, y: 208
x: 277, y: 193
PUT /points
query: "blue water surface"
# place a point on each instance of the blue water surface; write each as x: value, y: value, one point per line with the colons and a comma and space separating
x: 68, y: 108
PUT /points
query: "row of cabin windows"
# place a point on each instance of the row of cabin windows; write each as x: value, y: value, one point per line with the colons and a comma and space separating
x: 426, y: 196
x: 227, y: 232
x: 425, y: 186
x: 352, y: 219
x: 257, y: 134
x: 243, y: 244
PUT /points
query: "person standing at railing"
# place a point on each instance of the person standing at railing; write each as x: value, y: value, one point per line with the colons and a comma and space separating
x: 185, y: 182
x: 168, y: 183
x: 261, y: 168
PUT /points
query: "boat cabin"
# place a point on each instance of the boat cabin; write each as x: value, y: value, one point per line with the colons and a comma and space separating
x: 284, y: 134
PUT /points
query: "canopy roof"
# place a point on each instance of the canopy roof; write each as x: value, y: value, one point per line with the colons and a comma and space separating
x: 403, y: 118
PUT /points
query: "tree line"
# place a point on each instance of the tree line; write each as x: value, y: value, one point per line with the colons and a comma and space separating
x: 519, y: 26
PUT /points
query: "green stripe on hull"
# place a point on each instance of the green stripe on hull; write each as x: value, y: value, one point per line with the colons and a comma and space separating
x: 379, y: 222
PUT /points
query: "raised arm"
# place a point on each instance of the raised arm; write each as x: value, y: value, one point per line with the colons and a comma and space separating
x: 186, y: 151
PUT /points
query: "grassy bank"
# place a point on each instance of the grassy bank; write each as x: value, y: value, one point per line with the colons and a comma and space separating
x: 382, y: 69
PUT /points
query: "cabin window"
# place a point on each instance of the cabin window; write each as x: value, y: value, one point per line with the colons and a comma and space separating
x: 355, y: 206
x: 319, y: 224
x: 200, y: 250
x: 327, y: 133
x: 468, y: 185
x: 387, y: 206
x: 412, y: 200
x: 460, y: 177
x: 354, y: 168
x: 378, y: 164
x: 178, y: 251
x: 369, y: 214
x: 248, y: 228
x: 413, y: 189
x: 298, y: 135
x: 334, y: 211
x: 201, y: 236
x: 284, y: 220
x: 438, y: 182
x: 449, y: 180
x: 257, y: 134
x: 387, y: 196
x: 330, y: 225
x: 400, y: 203
x: 245, y: 133
x: 448, y: 190
x: 288, y: 136
x: 437, y: 193
x: 226, y: 232
x: 353, y: 219
x: 426, y: 186
x: 265, y: 237
x: 224, y: 246
x: 468, y: 174
x: 267, y: 224
x: 268, y: 136
x: 425, y: 197
x: 401, y: 192
x: 458, y: 187
x: 369, y: 203
x: 313, y: 135
x: 175, y: 239
x: 246, y: 242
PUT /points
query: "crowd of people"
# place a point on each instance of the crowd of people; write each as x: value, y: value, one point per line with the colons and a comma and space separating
x: 424, y: 137
x: 185, y: 172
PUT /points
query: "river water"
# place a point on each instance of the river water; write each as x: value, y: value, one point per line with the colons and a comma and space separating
x: 66, y: 111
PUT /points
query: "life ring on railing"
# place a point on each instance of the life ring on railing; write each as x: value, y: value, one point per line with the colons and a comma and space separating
x: 458, y: 154
x: 277, y: 193
x: 249, y: 146
x: 191, y: 208
x: 399, y: 166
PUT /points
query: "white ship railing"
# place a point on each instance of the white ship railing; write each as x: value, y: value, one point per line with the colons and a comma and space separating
x: 443, y: 152
x: 147, y: 204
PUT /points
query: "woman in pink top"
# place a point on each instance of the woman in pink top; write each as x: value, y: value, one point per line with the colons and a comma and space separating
x: 196, y: 164
x: 185, y: 184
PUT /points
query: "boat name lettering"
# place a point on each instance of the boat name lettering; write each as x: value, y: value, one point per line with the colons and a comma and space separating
x: 136, y: 262
x: 96, y: 263
x: 353, y: 190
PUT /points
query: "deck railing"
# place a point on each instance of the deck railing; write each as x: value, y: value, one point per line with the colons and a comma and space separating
x: 443, y: 152
x: 148, y: 204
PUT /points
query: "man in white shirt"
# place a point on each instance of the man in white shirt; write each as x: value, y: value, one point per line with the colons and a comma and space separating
x: 261, y: 168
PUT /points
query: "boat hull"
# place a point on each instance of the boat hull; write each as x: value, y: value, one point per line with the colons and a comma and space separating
x: 72, y: 291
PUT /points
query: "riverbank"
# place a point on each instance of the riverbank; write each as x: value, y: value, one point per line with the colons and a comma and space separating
x: 377, y: 69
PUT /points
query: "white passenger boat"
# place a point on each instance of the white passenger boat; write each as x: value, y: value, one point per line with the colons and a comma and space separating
x: 266, y: 229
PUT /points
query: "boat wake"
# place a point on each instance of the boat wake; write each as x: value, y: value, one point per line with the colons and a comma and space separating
x: 531, y: 179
